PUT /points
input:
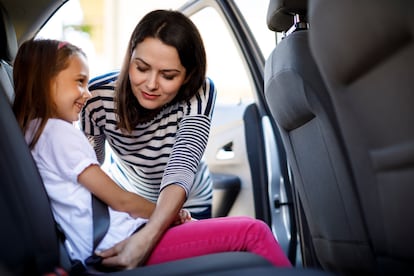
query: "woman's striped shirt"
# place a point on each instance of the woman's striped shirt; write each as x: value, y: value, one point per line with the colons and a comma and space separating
x: 167, y: 150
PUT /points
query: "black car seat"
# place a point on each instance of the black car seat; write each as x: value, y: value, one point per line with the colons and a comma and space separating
x: 365, y: 52
x: 26, y: 219
x: 27, y: 227
x: 8, y: 49
x: 302, y: 109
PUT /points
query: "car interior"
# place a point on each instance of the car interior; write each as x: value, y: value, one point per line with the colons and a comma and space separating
x: 301, y: 106
x: 339, y: 87
x: 8, y: 51
x: 341, y: 95
x: 372, y: 95
x: 28, y: 229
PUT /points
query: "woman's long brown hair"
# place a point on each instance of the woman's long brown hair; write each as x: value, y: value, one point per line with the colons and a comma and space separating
x: 174, y: 29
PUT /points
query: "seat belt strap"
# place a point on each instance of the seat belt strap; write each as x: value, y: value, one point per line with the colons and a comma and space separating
x: 100, y: 216
x: 100, y: 222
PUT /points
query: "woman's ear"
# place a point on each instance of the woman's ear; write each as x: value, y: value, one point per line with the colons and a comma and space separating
x: 188, y: 77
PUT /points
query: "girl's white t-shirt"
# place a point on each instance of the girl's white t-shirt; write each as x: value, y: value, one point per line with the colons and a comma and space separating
x: 61, y: 154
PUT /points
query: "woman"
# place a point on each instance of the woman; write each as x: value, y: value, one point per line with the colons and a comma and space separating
x: 155, y: 113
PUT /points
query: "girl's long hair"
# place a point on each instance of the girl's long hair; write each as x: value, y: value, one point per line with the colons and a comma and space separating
x: 174, y: 29
x: 36, y: 64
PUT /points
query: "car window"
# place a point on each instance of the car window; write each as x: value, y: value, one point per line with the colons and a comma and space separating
x: 255, y: 14
x: 101, y: 28
x: 225, y: 62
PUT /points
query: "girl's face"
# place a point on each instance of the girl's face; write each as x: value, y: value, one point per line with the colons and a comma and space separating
x: 70, y: 89
x: 155, y: 73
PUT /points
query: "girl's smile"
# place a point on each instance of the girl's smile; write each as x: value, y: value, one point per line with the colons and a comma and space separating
x: 70, y: 89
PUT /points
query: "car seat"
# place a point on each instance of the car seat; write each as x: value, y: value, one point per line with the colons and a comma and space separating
x: 303, y: 111
x: 8, y: 49
x: 365, y: 52
x: 25, y: 213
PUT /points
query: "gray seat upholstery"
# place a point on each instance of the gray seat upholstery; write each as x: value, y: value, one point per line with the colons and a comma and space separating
x: 27, y: 231
x: 303, y: 111
x: 8, y: 50
x: 367, y: 64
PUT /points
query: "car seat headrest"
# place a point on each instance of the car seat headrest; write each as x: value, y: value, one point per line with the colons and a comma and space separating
x: 281, y: 13
x: 8, y: 40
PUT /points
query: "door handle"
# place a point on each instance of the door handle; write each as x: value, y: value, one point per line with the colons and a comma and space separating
x: 226, y: 152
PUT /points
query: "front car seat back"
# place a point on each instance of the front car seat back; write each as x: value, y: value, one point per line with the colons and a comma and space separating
x: 365, y: 52
x: 27, y: 224
x: 303, y: 112
x: 8, y: 50
x: 27, y: 232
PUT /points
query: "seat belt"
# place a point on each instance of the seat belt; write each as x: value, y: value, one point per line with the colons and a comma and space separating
x: 100, y: 222
x: 100, y: 217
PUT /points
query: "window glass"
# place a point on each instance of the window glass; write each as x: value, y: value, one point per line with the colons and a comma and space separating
x: 102, y: 28
x: 255, y: 14
x: 69, y: 23
x: 225, y: 61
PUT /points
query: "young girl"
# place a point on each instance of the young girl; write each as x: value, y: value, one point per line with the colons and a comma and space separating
x: 51, y: 86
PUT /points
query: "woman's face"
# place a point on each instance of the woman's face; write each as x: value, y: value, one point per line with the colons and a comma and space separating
x: 70, y: 89
x: 155, y: 73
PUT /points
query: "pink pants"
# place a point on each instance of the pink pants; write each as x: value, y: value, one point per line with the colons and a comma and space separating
x: 216, y: 235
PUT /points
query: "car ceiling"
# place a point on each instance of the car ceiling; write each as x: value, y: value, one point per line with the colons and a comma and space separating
x: 28, y: 16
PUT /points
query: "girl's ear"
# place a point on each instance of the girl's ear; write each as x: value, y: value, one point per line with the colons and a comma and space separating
x: 52, y: 92
x: 52, y: 87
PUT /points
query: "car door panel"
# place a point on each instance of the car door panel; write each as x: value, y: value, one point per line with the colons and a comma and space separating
x: 226, y: 155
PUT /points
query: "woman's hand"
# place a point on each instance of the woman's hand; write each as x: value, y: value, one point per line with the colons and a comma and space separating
x: 129, y: 253
x: 136, y: 249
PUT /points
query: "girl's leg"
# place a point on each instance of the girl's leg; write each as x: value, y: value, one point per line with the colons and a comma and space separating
x: 216, y: 235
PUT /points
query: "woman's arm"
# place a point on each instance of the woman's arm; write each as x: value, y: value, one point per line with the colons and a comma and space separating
x: 191, y: 138
x: 169, y: 203
x: 102, y: 186
x: 98, y: 144
x: 136, y: 249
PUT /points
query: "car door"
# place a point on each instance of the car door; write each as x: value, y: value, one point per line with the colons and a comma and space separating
x: 243, y: 142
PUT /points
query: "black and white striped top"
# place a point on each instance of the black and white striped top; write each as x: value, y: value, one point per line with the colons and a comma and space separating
x: 167, y: 150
